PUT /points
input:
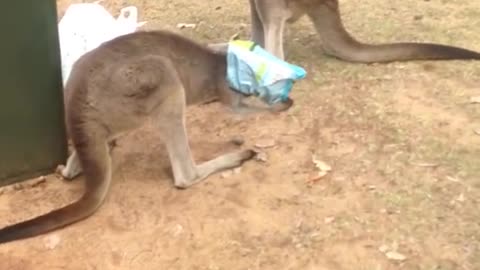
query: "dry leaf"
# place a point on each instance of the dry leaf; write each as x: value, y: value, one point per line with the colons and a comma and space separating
x: 426, y: 164
x: 475, y: 100
x: 234, y: 36
x: 317, y: 177
x: 40, y: 180
x: 453, y: 179
x: 266, y: 143
x: 395, y: 256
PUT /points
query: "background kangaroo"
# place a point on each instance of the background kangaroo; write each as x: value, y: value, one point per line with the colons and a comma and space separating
x: 116, y: 88
x: 270, y: 16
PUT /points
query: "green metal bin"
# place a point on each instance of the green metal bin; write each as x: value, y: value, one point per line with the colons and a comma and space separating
x: 32, y: 130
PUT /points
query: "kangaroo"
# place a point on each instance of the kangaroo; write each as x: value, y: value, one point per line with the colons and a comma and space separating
x: 114, y: 89
x: 269, y: 17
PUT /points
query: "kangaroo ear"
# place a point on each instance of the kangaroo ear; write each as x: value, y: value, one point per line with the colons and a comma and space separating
x: 219, y: 47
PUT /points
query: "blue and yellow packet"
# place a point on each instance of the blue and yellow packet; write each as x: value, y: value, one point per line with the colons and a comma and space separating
x: 254, y: 71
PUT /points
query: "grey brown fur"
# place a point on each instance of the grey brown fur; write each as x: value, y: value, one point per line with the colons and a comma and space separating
x: 114, y: 89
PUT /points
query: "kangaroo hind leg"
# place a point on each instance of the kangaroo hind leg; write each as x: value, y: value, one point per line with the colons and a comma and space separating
x: 173, y: 130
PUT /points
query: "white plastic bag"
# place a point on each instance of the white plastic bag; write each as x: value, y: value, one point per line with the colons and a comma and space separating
x: 85, y: 26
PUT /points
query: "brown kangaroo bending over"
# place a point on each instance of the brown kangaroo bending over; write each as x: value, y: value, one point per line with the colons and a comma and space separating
x: 270, y: 16
x: 114, y: 89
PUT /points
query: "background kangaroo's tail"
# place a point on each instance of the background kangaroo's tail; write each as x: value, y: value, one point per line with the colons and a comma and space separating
x: 339, y: 43
x: 95, y: 162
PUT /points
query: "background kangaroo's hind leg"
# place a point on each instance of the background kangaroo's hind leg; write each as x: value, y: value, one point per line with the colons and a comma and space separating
x: 273, y: 14
x: 185, y: 172
x: 257, y: 33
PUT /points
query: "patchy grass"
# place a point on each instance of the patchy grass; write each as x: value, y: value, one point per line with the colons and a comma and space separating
x: 399, y: 137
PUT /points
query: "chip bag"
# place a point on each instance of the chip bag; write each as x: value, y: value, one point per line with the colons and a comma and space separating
x: 254, y: 71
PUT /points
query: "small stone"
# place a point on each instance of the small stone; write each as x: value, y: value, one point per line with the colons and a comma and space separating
x: 177, y: 230
x: 321, y: 165
x: 52, y: 241
x: 383, y: 248
x: 475, y: 100
x: 227, y: 174
x: 329, y: 220
x: 237, y: 140
x: 186, y: 25
x: 418, y: 17
x: 261, y: 157
x: 395, y: 256
x: 237, y: 170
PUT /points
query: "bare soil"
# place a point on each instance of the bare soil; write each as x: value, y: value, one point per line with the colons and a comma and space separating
x: 400, y: 139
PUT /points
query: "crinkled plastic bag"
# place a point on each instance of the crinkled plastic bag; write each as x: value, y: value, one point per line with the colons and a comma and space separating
x: 254, y: 71
x: 85, y: 26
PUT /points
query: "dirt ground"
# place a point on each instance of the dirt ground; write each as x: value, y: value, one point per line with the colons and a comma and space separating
x: 402, y: 140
